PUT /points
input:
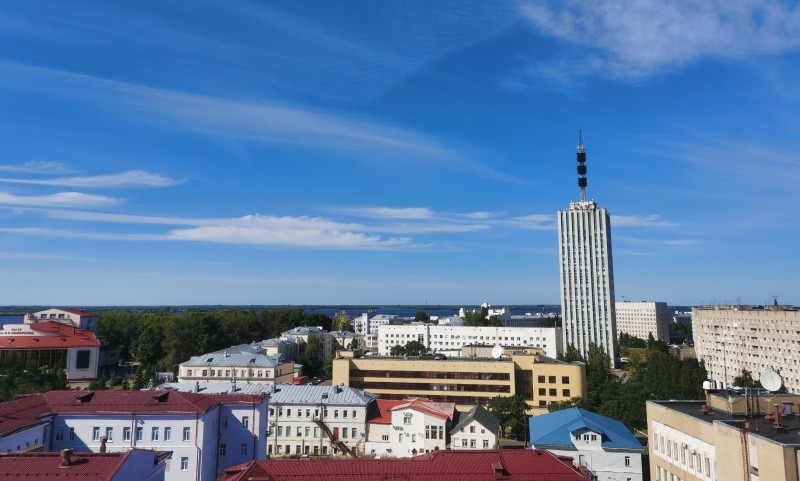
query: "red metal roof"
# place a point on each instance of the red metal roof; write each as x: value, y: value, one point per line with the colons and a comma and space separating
x: 486, y: 465
x: 50, y: 335
x: 380, y: 412
x: 22, y: 413
x: 94, y: 466
x: 435, y: 409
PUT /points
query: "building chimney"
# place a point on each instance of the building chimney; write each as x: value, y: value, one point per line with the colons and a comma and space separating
x: 197, y: 386
x: 66, y: 460
x: 103, y: 440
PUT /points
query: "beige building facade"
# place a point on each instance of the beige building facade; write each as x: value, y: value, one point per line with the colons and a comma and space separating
x: 732, y: 338
x: 713, y: 440
x: 539, y: 379
x: 642, y: 318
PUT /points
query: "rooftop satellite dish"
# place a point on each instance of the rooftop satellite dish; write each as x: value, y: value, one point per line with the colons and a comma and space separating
x: 770, y: 380
x: 497, y: 352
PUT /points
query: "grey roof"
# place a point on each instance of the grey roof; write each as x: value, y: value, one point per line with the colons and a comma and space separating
x: 310, y: 394
x: 302, y: 331
x: 217, y: 387
x: 218, y: 359
x: 344, y: 334
x: 275, y: 341
x: 239, y: 349
x: 481, y: 416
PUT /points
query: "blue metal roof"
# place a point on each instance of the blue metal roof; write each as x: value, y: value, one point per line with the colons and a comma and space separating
x: 556, y: 428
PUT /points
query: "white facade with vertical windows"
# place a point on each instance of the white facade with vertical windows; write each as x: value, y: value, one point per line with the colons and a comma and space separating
x: 642, y: 318
x: 587, y: 278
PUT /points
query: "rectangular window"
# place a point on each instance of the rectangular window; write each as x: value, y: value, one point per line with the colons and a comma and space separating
x: 109, y: 434
x: 60, y: 434
x: 464, y: 443
x: 551, y: 379
x: 354, y: 413
x: 187, y: 433
x: 564, y: 379
x: 223, y: 449
x: 167, y: 433
x: 139, y: 433
x: 485, y: 444
x: 288, y: 431
x: 225, y: 422
x: 708, y: 467
x: 540, y: 379
x: 542, y: 391
x: 335, y: 413
x: 385, y: 437
x: 95, y: 433
x: 126, y: 433
x: 280, y: 430
x: 627, y: 460
x: 72, y: 434
x: 344, y: 433
x: 288, y: 413
x: 565, y: 392
x: 82, y: 359
x: 344, y: 413
x: 553, y: 392
x: 246, y: 422
x: 400, y: 437
x: 184, y: 463
x: 353, y: 432
x: 154, y: 434
x: 472, y: 443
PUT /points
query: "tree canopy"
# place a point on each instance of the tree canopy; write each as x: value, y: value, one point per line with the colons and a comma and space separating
x: 510, y: 411
x: 411, y: 348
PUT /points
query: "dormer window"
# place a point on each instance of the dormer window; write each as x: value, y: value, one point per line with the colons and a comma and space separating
x: 407, y: 418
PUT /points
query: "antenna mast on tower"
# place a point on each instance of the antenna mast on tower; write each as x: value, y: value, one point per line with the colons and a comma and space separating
x: 581, y: 166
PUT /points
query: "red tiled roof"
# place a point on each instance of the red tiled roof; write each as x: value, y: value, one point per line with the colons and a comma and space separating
x: 436, y: 409
x: 380, y: 412
x: 486, y: 465
x: 22, y: 413
x: 54, y: 335
x: 128, y: 402
x: 80, y: 312
x: 94, y: 466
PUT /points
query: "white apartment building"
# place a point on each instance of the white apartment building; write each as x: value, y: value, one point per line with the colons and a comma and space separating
x: 450, y: 340
x: 244, y: 364
x: 731, y: 338
x: 642, y: 318
x: 317, y: 420
x: 205, y: 433
x: 79, y: 318
x: 587, y: 272
x: 301, y: 335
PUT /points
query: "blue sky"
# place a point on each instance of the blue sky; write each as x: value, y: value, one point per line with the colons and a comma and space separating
x: 394, y: 152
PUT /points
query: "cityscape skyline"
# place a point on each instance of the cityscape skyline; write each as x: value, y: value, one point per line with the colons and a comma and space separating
x: 284, y: 154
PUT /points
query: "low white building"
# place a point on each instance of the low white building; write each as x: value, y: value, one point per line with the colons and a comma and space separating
x: 476, y: 429
x: 420, y: 426
x: 450, y: 340
x: 597, y: 443
x: 318, y: 420
x: 244, y: 364
x: 301, y: 334
x: 79, y: 318
x: 205, y: 433
x: 52, y: 344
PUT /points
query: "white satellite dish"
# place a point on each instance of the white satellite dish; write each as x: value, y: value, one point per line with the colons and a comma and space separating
x: 770, y: 380
x: 497, y: 352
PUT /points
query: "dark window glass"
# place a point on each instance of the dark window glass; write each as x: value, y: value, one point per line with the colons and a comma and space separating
x: 83, y: 360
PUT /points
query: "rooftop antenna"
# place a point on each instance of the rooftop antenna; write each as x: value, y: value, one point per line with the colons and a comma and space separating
x: 581, y: 166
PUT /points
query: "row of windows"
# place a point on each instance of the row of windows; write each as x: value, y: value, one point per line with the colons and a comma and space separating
x: 553, y: 392
x: 470, y: 443
x: 694, y: 460
x: 227, y: 373
x: 288, y: 412
x: 155, y: 433
x: 483, y: 376
x: 490, y: 388
x: 223, y: 449
x: 552, y: 379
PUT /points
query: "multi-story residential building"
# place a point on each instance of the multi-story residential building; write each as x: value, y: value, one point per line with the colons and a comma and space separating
x: 52, y: 344
x: 287, y: 349
x: 244, y: 364
x: 379, y: 427
x: 643, y: 318
x: 135, y: 464
x: 680, y: 328
x: 318, y: 420
x: 79, y: 318
x: 420, y: 426
x: 441, y: 465
x: 539, y: 379
x: 347, y: 340
x: 728, y: 436
x: 301, y: 334
x: 205, y: 433
x: 729, y: 339
x: 586, y: 272
x: 476, y: 429
x: 598, y: 444
x: 450, y: 340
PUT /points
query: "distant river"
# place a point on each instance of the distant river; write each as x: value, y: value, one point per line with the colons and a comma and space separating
x: 11, y: 319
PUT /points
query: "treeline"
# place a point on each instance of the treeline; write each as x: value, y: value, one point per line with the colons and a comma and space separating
x: 18, y: 378
x: 162, y: 340
x: 663, y: 376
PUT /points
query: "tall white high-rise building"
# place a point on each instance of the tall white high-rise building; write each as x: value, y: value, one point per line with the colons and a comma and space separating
x: 587, y: 273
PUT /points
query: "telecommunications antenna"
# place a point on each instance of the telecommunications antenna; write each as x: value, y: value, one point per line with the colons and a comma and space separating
x: 497, y: 352
x: 770, y: 380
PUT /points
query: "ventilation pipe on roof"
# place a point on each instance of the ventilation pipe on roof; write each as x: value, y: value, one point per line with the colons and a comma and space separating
x: 197, y: 386
x: 66, y: 455
x: 103, y: 440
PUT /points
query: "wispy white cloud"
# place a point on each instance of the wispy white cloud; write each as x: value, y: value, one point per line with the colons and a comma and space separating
x: 635, y: 38
x: 36, y: 167
x: 385, y: 212
x: 652, y: 220
x: 61, y: 199
x: 130, y: 178
x: 683, y: 242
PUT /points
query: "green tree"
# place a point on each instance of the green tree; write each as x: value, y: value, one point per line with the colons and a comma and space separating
x: 422, y: 316
x: 554, y: 321
x: 626, y: 341
x: 511, y: 412
x: 571, y: 355
x: 149, y: 348
x: 745, y: 379
x: 342, y: 322
x: 411, y: 348
x: 475, y: 318
x: 574, y: 402
x: 311, y: 358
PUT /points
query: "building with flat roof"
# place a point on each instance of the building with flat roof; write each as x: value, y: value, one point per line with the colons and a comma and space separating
x: 602, y: 446
x: 441, y: 465
x: 728, y: 436
x: 449, y: 339
x: 587, y: 272
x: 52, y: 344
x: 643, y: 318
x: 729, y: 339
x: 538, y: 378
